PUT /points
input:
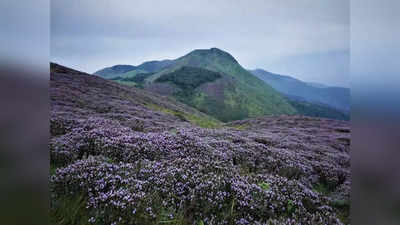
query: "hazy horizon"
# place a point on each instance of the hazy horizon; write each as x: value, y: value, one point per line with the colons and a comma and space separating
x: 305, y: 39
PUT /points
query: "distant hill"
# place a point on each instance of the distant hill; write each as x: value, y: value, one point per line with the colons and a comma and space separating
x: 231, y: 95
x: 155, y: 66
x: 335, y: 97
x: 114, y: 71
x: 129, y: 70
x: 317, y: 110
x: 317, y: 85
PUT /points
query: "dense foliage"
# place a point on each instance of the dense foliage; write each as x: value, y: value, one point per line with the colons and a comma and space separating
x: 189, y: 78
x: 114, y: 71
x: 137, y: 79
x: 215, y: 107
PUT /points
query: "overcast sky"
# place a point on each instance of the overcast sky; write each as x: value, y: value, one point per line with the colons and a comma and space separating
x: 306, y: 39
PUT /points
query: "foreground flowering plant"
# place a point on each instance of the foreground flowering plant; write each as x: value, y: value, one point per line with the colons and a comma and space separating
x: 216, y: 176
x: 132, y: 165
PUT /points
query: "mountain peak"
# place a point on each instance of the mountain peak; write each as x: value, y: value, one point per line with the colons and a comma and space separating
x: 216, y: 49
x: 212, y: 52
x: 260, y: 70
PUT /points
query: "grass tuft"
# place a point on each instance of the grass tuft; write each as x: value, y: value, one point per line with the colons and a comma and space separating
x: 201, y: 121
x: 69, y: 211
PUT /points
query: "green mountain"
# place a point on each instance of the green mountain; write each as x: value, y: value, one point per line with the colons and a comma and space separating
x: 125, y: 71
x: 212, y: 81
x: 114, y: 71
x: 155, y: 66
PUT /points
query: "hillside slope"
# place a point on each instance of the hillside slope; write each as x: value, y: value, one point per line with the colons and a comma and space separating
x: 113, y: 71
x: 123, y: 155
x: 317, y: 110
x: 236, y: 94
x: 336, y: 97
x: 76, y: 95
x: 125, y: 71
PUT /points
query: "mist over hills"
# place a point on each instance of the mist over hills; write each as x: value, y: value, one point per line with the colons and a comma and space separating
x: 335, y: 97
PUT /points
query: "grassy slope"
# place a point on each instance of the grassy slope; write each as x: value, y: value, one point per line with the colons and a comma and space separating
x: 107, y: 98
x: 247, y: 96
x: 114, y: 71
x: 132, y: 73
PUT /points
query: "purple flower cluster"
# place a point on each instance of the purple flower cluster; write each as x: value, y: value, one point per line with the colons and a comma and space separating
x: 138, y: 166
x: 205, y: 190
x: 97, y: 136
x: 212, y: 175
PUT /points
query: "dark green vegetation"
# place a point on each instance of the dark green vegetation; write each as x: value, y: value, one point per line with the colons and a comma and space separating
x: 129, y: 71
x: 237, y: 94
x: 69, y: 210
x: 189, y: 78
x: 264, y: 186
x: 335, y: 97
x: 111, y: 72
x: 201, y: 121
x: 137, y: 80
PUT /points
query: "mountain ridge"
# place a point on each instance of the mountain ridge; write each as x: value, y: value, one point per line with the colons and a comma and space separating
x: 336, y: 97
x: 246, y: 93
x: 241, y: 94
x: 145, y: 67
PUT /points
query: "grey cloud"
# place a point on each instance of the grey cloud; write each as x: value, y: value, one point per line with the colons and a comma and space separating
x: 92, y: 34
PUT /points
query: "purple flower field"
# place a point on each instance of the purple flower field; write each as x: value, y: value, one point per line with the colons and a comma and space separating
x: 134, y: 164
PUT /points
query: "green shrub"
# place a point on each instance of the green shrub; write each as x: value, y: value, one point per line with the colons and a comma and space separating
x: 188, y: 78
x: 290, y: 207
x: 69, y: 210
x: 321, y: 188
x: 264, y: 186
